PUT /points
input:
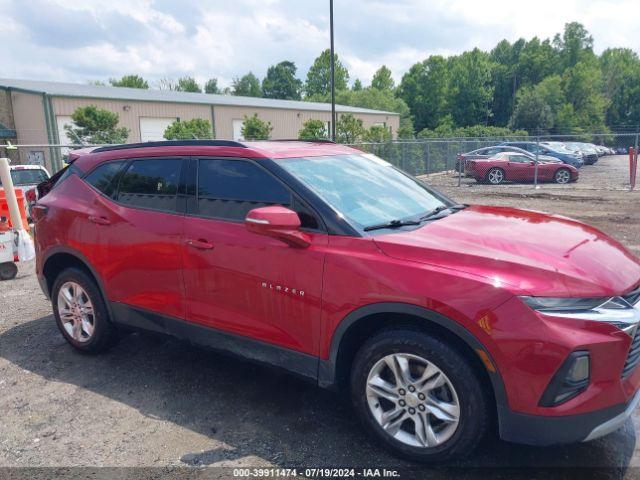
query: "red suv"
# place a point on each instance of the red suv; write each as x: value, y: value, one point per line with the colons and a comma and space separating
x: 436, y: 317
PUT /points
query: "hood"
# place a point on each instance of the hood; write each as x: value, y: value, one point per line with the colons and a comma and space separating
x: 527, y: 252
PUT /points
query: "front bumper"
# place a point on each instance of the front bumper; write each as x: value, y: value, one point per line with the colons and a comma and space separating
x: 542, y: 430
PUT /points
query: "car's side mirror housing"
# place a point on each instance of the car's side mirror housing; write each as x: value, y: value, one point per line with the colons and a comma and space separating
x: 277, y: 222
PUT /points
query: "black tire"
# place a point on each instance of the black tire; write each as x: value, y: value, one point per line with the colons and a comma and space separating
x: 105, y: 334
x: 473, y: 399
x: 495, y: 170
x: 8, y: 270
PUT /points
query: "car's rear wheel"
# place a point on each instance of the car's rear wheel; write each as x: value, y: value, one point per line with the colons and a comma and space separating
x: 81, y: 313
x: 562, y: 175
x: 419, y: 397
x: 495, y: 176
x: 8, y: 270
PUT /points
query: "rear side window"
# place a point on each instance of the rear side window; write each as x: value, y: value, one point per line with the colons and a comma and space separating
x: 229, y: 189
x: 151, y: 183
x: 105, y: 177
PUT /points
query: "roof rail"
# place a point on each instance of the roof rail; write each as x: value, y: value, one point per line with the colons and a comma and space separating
x: 172, y: 143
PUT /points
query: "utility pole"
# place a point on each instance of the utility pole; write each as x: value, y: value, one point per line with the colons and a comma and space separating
x: 333, y: 87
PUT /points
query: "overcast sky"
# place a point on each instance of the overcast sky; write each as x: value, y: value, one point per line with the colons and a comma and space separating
x: 80, y: 40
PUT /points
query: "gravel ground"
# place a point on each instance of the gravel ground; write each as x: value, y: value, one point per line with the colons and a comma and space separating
x: 156, y: 402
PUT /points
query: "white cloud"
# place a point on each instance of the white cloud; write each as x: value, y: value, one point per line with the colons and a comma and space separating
x: 98, y: 39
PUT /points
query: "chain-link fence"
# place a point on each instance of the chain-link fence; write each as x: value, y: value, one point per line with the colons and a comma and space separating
x: 594, y: 161
x: 591, y: 161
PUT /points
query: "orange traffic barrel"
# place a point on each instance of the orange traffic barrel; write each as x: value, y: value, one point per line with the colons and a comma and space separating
x: 4, y: 208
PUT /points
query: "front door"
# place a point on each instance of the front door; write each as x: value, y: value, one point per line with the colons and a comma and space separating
x: 521, y: 168
x: 240, y: 282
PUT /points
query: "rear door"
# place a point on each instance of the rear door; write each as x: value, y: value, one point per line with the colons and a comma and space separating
x: 139, y: 224
x: 240, y: 282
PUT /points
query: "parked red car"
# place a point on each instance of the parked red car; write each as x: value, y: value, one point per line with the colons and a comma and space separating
x: 515, y: 167
x: 331, y: 263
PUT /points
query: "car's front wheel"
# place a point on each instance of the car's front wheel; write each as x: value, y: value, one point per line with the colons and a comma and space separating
x: 81, y: 313
x: 418, y: 396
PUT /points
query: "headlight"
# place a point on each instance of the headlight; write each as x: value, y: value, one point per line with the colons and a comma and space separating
x: 614, y: 310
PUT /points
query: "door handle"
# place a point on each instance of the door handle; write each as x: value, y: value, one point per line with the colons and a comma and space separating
x: 99, y: 220
x: 199, y: 244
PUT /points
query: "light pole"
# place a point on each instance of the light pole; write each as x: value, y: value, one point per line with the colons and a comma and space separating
x: 333, y: 88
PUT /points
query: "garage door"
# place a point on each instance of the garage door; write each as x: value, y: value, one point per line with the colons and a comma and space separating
x: 63, y: 136
x: 237, y: 129
x: 152, y: 128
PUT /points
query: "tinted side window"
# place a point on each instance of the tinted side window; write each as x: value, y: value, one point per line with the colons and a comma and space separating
x: 151, y: 183
x: 230, y: 188
x: 105, y: 177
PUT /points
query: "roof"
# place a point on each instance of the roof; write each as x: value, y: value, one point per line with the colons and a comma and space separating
x: 79, y: 90
x: 87, y: 158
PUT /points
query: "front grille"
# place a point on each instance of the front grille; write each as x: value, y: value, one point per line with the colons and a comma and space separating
x: 633, y: 296
x: 633, y: 356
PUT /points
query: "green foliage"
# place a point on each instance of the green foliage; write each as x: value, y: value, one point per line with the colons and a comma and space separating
x: 349, y: 129
x: 357, y: 85
x: 130, y: 81
x: 281, y: 82
x: 197, y: 128
x: 188, y: 84
x: 313, y: 130
x: 532, y: 113
x: 447, y: 130
x: 319, y: 75
x: 425, y: 89
x: 382, y: 79
x: 377, y: 134
x: 211, y: 86
x: 246, y: 86
x: 621, y: 86
x: 575, y: 44
x: 470, y: 85
x: 253, y: 128
x: 93, y: 125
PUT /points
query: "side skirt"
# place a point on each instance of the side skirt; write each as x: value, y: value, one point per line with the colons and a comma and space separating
x: 301, y: 364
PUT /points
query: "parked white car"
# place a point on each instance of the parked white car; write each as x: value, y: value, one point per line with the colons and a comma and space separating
x: 27, y: 178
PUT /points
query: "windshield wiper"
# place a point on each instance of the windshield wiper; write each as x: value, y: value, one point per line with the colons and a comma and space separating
x: 392, y: 224
x: 404, y: 223
x: 439, y: 209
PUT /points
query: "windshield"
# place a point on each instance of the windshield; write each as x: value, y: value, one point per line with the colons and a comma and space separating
x: 27, y: 177
x: 364, y: 189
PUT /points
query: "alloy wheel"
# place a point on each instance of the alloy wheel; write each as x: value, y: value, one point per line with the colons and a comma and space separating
x: 496, y: 176
x: 76, y: 312
x: 413, y: 400
x: 563, y: 176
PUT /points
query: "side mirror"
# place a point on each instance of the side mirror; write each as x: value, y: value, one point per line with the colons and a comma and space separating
x: 277, y: 222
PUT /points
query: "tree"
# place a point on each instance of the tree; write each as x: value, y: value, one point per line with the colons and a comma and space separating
x: 382, y: 79
x: 94, y: 126
x: 319, y: 75
x: 211, y: 86
x: 575, y: 44
x: 196, y: 128
x: 281, y: 82
x: 470, y: 88
x: 532, y: 113
x: 377, y: 134
x: 253, y: 128
x: 247, y: 86
x: 188, y: 84
x: 621, y: 85
x: 357, y: 85
x: 313, y: 129
x: 582, y: 85
x: 130, y: 81
x: 425, y: 89
x: 349, y: 129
